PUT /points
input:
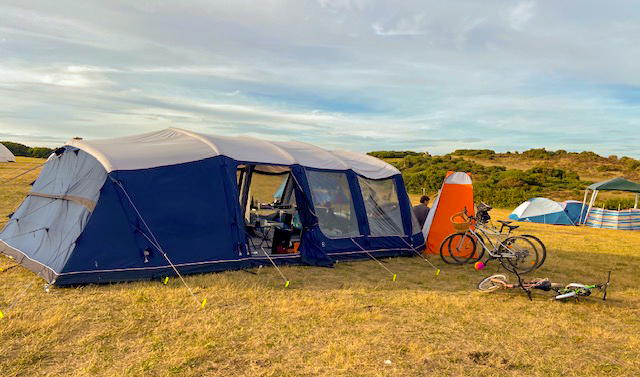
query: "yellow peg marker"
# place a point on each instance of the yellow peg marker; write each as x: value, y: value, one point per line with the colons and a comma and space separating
x: 437, y: 272
x: 286, y: 284
x: 165, y: 281
x: 1, y: 314
x: 394, y: 277
x: 204, y: 302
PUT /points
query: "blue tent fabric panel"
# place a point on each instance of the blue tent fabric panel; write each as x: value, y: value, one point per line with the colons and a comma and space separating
x: 574, y: 209
x: 193, y: 226
x: 557, y: 218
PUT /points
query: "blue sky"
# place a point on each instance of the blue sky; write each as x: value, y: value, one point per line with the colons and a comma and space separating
x: 356, y: 74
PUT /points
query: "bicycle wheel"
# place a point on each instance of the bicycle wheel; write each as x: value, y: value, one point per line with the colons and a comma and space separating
x: 462, y: 247
x: 444, y: 251
x: 542, y: 250
x: 518, y: 254
x: 487, y: 285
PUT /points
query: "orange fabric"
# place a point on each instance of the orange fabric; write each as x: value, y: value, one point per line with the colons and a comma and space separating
x: 453, y: 199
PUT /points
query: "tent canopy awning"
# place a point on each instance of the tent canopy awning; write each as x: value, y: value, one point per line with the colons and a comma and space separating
x: 616, y: 184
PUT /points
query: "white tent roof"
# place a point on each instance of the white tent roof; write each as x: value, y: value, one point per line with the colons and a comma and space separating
x: 6, y: 155
x: 537, y: 207
x: 459, y: 178
x: 175, y: 146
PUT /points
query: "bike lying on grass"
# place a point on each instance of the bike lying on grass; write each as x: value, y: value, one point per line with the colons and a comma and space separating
x: 563, y: 292
x: 473, y: 238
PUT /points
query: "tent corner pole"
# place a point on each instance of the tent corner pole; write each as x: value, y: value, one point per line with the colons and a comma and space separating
x: 584, y: 203
x: 594, y: 194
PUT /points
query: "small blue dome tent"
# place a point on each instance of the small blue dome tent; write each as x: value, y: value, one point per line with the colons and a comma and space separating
x: 108, y: 210
x: 547, y: 211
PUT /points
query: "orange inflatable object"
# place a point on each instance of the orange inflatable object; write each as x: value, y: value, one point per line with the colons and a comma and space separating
x: 456, y: 194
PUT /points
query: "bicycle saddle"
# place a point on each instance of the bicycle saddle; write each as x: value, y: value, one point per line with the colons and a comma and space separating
x: 505, y: 222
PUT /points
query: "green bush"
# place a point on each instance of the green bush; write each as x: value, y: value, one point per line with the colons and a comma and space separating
x: 538, y: 154
x: 614, y: 204
x: 40, y: 152
x: 487, y: 153
x: 394, y: 154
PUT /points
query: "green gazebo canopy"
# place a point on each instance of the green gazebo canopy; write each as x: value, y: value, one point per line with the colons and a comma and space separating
x: 616, y: 184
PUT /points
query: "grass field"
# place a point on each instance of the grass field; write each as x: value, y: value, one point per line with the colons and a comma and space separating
x: 344, y: 321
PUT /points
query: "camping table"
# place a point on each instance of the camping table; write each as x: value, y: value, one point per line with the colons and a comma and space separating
x: 265, y: 230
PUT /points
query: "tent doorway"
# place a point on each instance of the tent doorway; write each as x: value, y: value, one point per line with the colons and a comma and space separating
x: 267, y: 195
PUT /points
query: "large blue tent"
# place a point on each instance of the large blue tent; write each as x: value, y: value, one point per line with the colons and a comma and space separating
x: 128, y: 208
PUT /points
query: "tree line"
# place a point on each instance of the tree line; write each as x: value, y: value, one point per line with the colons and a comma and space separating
x: 22, y: 150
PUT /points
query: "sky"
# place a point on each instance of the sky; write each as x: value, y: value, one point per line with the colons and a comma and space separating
x: 362, y: 75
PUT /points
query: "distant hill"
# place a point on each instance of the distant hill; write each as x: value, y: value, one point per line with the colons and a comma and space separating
x: 589, y: 165
x: 22, y: 150
x: 507, y: 179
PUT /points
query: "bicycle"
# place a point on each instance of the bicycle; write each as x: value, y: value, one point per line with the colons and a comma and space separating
x: 563, y: 292
x: 515, y: 253
x: 482, y: 215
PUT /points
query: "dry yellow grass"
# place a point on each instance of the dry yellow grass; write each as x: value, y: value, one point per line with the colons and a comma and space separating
x: 344, y: 321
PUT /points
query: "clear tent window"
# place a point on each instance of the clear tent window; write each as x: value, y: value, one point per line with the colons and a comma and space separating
x: 333, y: 204
x: 382, y: 206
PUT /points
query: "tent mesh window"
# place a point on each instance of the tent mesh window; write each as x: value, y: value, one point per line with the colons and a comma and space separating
x: 333, y: 204
x: 382, y: 206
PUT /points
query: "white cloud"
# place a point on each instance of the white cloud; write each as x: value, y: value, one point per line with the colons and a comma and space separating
x: 17, y: 76
x: 343, y: 4
x: 413, y: 25
x: 519, y: 15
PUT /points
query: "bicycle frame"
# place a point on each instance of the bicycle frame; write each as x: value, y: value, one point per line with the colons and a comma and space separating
x: 524, y: 284
x: 488, y: 233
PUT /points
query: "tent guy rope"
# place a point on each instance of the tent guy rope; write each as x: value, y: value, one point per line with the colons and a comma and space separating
x: 21, y: 174
x: 156, y: 244
x: 286, y: 281
x: 420, y: 255
x: 374, y: 258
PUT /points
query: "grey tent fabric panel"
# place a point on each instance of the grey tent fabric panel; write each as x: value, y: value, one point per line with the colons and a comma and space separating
x: 75, y: 173
x: 47, y: 228
x: 43, y: 271
x: 54, y: 214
